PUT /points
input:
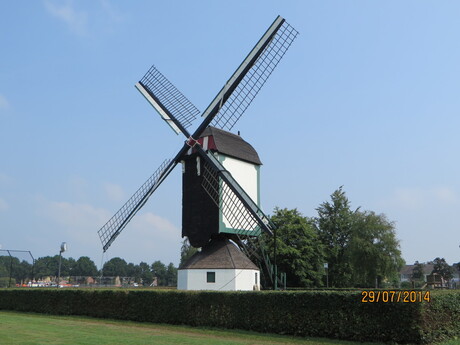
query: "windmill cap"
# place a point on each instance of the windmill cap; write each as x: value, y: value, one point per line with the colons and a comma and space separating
x: 232, y: 145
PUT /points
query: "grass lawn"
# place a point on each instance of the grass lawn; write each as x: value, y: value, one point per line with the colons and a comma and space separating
x: 34, y: 329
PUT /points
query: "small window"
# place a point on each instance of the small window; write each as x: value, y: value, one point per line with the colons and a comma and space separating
x: 256, y: 279
x: 210, y: 277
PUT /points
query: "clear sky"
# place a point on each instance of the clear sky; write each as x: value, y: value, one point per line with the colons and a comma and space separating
x: 367, y: 97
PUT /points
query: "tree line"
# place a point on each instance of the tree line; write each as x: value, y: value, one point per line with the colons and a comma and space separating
x: 142, y: 273
x: 48, y: 266
x: 340, y: 247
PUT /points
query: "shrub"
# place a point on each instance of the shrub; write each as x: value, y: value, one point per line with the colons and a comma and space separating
x: 406, y: 285
x: 441, y: 317
x: 332, y: 314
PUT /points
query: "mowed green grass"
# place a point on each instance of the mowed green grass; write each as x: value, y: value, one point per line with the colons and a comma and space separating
x: 35, y: 329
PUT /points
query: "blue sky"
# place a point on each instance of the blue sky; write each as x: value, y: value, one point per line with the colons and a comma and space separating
x: 366, y: 97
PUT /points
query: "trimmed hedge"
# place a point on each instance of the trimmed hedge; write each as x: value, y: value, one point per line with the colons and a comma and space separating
x: 332, y: 314
x: 440, y: 319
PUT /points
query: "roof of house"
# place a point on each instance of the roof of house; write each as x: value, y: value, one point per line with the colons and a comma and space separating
x: 407, y: 269
x: 219, y: 254
x: 232, y: 145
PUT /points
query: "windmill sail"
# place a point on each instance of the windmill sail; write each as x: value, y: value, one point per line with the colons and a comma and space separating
x: 233, y: 99
x: 168, y: 101
x: 237, y: 207
x: 278, y: 41
x: 117, y: 223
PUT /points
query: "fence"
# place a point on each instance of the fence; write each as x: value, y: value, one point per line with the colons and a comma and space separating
x: 16, y: 267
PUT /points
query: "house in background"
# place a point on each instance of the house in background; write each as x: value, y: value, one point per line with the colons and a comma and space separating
x: 432, y: 280
x: 455, y: 281
x: 407, y: 271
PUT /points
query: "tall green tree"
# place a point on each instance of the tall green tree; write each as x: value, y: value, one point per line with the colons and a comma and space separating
x: 146, y: 273
x: 418, y: 272
x: 361, y: 247
x: 23, y: 272
x: 373, y: 250
x: 442, y: 268
x: 4, y: 266
x: 159, y: 271
x: 115, y: 267
x: 67, y: 266
x: 335, y: 223
x: 171, y: 275
x: 47, y: 266
x: 20, y: 271
x: 134, y: 271
x: 84, y: 267
x: 456, y: 267
x: 299, y: 251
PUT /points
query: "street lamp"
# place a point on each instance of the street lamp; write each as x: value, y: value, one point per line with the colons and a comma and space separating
x: 63, y: 249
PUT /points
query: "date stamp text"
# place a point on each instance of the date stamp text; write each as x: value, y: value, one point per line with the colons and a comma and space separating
x: 395, y: 296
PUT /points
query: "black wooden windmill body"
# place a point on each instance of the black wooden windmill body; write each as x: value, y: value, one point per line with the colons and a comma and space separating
x: 215, y: 205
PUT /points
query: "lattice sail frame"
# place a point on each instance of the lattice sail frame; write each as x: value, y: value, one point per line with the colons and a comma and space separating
x: 236, y: 213
x: 230, y: 205
x: 170, y: 103
x: 253, y: 81
x: 117, y: 223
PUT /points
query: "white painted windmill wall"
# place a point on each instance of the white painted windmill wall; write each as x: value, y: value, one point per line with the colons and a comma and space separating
x: 225, y: 279
x: 247, y: 175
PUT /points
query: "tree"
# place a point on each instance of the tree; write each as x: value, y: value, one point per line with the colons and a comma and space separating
x: 134, y: 271
x: 47, y: 266
x: 456, y: 267
x: 115, y: 267
x: 186, y: 251
x: 442, y: 268
x: 171, y: 275
x: 20, y: 271
x: 159, y: 271
x: 146, y: 273
x: 4, y: 266
x: 373, y: 250
x: 361, y: 247
x: 84, y: 267
x: 67, y: 266
x: 418, y: 272
x: 335, y: 227
x: 299, y: 250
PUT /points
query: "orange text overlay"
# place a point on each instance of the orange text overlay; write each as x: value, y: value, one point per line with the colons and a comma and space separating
x: 392, y: 296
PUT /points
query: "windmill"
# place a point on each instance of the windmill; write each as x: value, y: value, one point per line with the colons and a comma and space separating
x: 221, y: 198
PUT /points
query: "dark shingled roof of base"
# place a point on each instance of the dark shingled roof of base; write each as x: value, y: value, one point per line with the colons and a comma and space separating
x: 217, y: 254
x: 232, y: 145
